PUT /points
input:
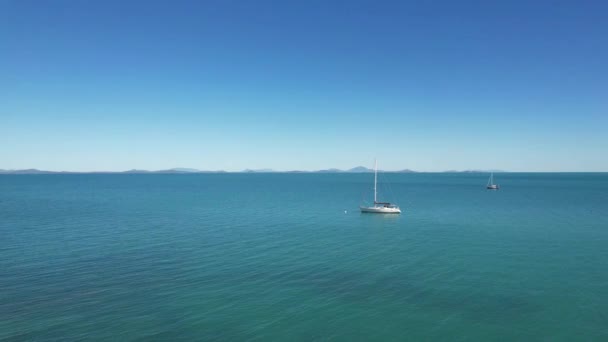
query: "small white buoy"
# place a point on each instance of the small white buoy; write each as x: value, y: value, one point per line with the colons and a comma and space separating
x: 345, y: 211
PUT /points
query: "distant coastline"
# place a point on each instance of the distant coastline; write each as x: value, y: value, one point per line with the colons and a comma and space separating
x: 358, y: 169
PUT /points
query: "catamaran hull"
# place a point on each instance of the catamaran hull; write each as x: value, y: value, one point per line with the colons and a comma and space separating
x: 380, y: 210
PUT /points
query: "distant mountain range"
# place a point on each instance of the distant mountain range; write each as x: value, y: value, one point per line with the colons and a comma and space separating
x: 180, y: 170
x: 136, y: 171
x: 358, y: 169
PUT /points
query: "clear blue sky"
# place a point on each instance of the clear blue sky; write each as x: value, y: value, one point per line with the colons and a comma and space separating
x: 425, y: 85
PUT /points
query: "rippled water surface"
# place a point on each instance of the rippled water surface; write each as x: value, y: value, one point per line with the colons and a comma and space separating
x: 289, y: 257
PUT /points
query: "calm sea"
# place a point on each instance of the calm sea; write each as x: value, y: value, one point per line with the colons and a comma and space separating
x: 288, y: 257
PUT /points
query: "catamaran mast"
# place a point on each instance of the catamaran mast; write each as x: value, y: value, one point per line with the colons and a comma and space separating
x: 375, y: 177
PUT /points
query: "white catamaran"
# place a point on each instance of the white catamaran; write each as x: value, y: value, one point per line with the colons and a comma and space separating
x: 491, y: 185
x: 379, y: 207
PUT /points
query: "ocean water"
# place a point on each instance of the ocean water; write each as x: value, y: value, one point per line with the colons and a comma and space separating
x: 288, y: 257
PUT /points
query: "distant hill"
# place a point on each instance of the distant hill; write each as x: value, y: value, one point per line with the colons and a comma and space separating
x: 363, y: 169
x: 178, y: 170
x: 136, y: 171
x: 27, y: 172
x: 183, y: 169
x: 329, y: 171
x: 360, y: 169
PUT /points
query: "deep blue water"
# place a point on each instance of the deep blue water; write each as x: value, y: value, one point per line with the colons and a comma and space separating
x: 289, y: 257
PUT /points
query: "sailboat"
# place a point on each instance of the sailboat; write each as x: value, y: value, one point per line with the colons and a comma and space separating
x: 491, y: 185
x: 379, y: 207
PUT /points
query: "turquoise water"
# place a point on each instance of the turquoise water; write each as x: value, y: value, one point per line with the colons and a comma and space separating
x: 276, y: 257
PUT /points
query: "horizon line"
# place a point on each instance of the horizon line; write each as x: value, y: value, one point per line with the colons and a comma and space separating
x: 357, y: 169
